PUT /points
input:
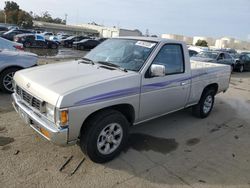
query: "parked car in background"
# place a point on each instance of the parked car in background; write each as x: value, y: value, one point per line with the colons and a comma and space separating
x: 35, y: 41
x: 86, y: 44
x: 10, y: 45
x: 194, y: 50
x: 68, y: 42
x: 242, y: 61
x: 12, y: 61
x: 2, y: 28
x: 238, y: 66
x: 13, y: 27
x: 62, y: 36
x: 47, y: 33
x: 215, y: 57
x: 192, y: 53
x: 12, y: 33
x: 228, y: 50
x: 102, y: 39
x: 55, y: 39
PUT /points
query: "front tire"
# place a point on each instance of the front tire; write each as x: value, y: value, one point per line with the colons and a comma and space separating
x: 82, y: 47
x: 241, y: 68
x: 27, y: 44
x: 105, y: 136
x: 205, y: 105
x: 54, y: 46
x: 6, y: 78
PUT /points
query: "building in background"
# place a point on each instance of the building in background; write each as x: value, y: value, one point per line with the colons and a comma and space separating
x: 188, y: 40
x: 224, y: 42
x: 173, y: 36
x: 69, y: 29
x: 109, y: 32
x: 86, y: 29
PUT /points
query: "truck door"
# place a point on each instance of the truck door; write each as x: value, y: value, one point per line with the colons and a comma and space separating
x: 160, y: 95
x: 247, y: 61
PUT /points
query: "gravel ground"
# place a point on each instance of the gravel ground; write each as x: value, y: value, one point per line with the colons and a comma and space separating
x: 176, y: 150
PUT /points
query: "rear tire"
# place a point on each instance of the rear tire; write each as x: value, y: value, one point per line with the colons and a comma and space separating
x: 82, y: 48
x: 54, y: 46
x: 27, y: 44
x: 205, y: 105
x: 105, y: 136
x: 6, y: 78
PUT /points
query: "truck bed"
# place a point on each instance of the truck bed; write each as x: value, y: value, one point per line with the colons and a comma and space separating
x: 207, y: 69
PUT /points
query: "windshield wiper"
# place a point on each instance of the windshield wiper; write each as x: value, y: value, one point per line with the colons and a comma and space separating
x: 112, y: 65
x: 87, y: 60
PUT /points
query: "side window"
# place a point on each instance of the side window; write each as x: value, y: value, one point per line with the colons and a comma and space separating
x: 31, y: 37
x: 227, y: 56
x: 221, y: 56
x: 248, y: 57
x: 243, y: 58
x: 171, y: 56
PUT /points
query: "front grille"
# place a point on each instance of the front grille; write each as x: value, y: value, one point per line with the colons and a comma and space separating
x: 32, y: 101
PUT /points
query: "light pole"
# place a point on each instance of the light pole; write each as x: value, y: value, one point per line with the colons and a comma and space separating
x: 66, y: 17
x: 5, y: 17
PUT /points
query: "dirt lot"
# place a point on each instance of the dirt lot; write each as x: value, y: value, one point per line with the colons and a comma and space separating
x: 176, y: 150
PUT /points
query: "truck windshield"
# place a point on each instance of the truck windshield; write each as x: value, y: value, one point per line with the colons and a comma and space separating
x: 125, y: 53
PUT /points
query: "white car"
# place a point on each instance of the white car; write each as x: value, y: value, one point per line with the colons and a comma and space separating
x: 120, y: 83
x: 12, y: 61
x: 10, y: 45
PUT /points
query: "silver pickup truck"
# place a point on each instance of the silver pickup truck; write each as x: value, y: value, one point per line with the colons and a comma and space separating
x: 122, y: 82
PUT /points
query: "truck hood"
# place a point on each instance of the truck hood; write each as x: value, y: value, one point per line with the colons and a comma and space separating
x: 49, y: 82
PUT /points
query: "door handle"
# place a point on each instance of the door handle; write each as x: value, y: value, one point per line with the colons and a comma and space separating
x: 183, y: 83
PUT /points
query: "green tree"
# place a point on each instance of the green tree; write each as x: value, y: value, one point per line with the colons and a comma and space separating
x: 15, y: 15
x: 11, y: 10
x: 2, y: 17
x: 202, y: 43
x: 46, y: 17
x: 25, y: 20
x: 11, y: 6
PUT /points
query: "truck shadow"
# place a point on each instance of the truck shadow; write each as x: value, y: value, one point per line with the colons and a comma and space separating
x: 178, y: 149
x: 5, y: 103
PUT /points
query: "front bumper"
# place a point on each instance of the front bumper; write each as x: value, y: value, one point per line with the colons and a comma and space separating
x: 44, y: 127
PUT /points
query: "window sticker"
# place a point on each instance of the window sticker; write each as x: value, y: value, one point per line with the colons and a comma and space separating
x: 145, y: 44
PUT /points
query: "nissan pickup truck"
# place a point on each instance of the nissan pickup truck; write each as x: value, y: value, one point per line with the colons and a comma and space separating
x: 122, y: 82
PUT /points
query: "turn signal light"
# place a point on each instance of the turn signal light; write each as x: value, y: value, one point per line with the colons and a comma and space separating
x: 45, y: 132
x: 64, y: 117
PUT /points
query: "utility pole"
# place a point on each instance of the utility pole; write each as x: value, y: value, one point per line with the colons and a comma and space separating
x: 147, y: 33
x: 66, y: 17
x: 5, y: 17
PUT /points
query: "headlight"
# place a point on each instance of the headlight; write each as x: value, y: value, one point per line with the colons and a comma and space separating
x: 58, y: 116
x: 14, y: 84
x: 50, y: 112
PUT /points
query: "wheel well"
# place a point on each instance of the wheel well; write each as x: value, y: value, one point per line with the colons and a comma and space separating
x: 126, y: 109
x: 213, y: 86
x: 6, y: 68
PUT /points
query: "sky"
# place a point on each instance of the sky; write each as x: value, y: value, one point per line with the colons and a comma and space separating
x: 211, y: 18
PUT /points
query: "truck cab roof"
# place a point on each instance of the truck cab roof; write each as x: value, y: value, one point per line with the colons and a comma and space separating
x: 152, y: 39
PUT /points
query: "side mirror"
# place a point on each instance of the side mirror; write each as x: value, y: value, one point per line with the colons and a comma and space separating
x: 157, y: 70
